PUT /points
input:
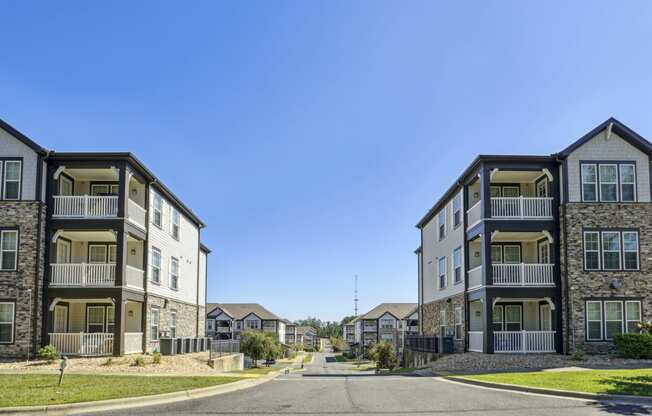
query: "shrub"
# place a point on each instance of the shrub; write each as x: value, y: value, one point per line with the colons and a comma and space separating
x: 638, y: 346
x: 138, y: 362
x: 156, y: 357
x: 384, y: 355
x: 48, y: 353
x: 108, y: 362
x: 579, y: 354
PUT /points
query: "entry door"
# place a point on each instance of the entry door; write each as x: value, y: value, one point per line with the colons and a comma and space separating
x: 60, y: 319
x: 544, y: 252
x: 63, y: 251
x: 542, y: 189
x: 546, y: 317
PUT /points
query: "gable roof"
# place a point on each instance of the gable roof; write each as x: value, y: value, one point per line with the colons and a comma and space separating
x: 620, y: 129
x: 398, y: 310
x: 305, y: 329
x: 22, y: 138
x: 239, y: 311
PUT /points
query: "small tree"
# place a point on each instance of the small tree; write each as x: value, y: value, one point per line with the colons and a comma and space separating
x: 384, y: 355
x: 272, y: 347
x: 252, y: 345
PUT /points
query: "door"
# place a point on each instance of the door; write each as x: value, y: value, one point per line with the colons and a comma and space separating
x: 60, y: 319
x: 63, y: 251
x: 65, y: 186
x: 97, y: 254
x: 544, y: 252
x: 546, y: 317
x: 542, y: 189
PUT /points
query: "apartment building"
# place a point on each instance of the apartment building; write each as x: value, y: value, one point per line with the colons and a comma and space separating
x: 348, y: 332
x: 542, y: 253
x: 230, y: 320
x: 389, y: 322
x: 98, y: 256
x: 307, y: 336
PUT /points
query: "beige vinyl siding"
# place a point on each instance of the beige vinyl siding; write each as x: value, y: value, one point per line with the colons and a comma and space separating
x: 613, y: 149
x: 12, y: 147
x: 203, y: 260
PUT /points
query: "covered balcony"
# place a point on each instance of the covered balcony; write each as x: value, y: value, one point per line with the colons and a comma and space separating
x: 88, y: 259
x: 93, y: 193
x: 369, y: 326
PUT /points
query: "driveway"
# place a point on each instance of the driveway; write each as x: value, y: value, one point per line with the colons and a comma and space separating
x: 327, y: 389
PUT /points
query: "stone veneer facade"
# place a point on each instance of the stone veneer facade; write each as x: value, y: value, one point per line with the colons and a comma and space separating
x: 583, y: 285
x: 187, y: 319
x: 431, y: 317
x: 14, y: 285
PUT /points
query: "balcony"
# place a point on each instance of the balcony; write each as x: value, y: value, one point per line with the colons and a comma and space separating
x: 521, y: 207
x: 85, y: 206
x: 83, y: 344
x: 523, y: 274
x: 370, y: 328
x: 83, y: 275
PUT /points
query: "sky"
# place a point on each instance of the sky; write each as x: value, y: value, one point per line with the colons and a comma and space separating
x: 311, y: 137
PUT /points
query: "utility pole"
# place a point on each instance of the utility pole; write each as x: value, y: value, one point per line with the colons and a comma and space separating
x: 355, y: 296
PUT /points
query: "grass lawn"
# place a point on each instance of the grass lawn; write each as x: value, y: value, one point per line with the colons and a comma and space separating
x: 342, y: 359
x: 307, y: 358
x: 633, y: 382
x: 261, y: 370
x: 403, y: 370
x: 364, y: 367
x: 42, y: 389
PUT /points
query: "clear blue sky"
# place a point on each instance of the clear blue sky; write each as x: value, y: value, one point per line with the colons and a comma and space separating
x: 311, y: 136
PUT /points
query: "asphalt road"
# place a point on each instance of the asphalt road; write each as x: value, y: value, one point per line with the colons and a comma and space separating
x: 333, y: 391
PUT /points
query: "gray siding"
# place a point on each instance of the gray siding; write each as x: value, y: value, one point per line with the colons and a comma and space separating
x: 12, y: 147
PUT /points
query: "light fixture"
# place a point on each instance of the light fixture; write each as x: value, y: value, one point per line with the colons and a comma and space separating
x: 133, y: 251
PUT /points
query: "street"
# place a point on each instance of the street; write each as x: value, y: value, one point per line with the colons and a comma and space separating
x: 327, y: 388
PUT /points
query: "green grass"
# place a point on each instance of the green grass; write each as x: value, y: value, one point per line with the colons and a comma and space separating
x: 307, y: 358
x: 403, y: 370
x: 256, y: 371
x: 42, y: 389
x: 632, y: 382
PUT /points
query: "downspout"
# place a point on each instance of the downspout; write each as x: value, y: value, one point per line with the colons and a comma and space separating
x: 565, y: 285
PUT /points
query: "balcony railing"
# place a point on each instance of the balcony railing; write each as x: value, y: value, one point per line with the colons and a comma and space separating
x: 370, y: 328
x: 474, y: 214
x: 136, y: 214
x: 522, y: 274
x: 223, y: 329
x: 475, y: 277
x: 83, y: 274
x: 524, y: 341
x: 82, y: 343
x: 85, y: 206
x: 476, y: 340
x: 521, y: 207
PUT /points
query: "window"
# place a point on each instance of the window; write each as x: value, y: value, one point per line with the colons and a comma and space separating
x: 110, y: 318
x: 9, y: 249
x: 113, y: 252
x: 442, y: 223
x: 513, y: 317
x: 174, y: 273
x: 611, y: 250
x: 457, y: 264
x: 442, y: 272
x: 613, y: 318
x: 632, y: 316
x: 12, y: 173
x: 94, y: 319
x: 173, y: 324
x: 458, y: 323
x: 210, y: 325
x: 592, y: 250
x: 497, y: 319
x: 496, y: 254
x: 66, y: 185
x: 7, y: 314
x: 387, y: 323
x: 627, y: 183
x: 608, y: 182
x: 544, y: 252
x: 175, y: 224
x: 104, y: 189
x: 457, y: 210
x: 630, y: 250
x: 593, y: 320
x: 156, y: 265
x: 589, y: 183
x: 97, y: 253
x: 252, y: 324
x: 512, y: 254
x: 154, y: 319
x: 158, y: 211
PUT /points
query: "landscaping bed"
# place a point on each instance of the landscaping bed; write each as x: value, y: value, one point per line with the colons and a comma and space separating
x: 42, y: 389
x: 637, y: 382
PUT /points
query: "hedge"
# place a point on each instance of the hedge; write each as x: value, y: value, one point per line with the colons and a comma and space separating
x: 638, y: 346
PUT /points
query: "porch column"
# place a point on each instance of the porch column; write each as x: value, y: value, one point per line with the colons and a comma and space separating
x: 485, y: 255
x: 559, y: 333
x: 119, y: 326
x: 485, y: 191
x: 488, y: 333
x: 121, y: 256
x: 123, y: 191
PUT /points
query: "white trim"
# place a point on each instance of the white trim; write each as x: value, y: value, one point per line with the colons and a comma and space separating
x: 583, y: 182
x: 12, y: 322
x: 620, y: 250
x: 5, y: 180
x: 15, y: 250
x: 586, y: 314
x: 601, y: 182
x: 621, y: 183
x: 621, y: 320
x: 599, y: 250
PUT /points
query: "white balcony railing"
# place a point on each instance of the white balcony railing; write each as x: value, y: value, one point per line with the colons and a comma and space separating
x: 223, y: 329
x: 133, y: 342
x: 521, y: 207
x: 523, y: 274
x: 82, y: 343
x: 474, y: 214
x: 475, y: 277
x: 82, y: 274
x: 85, y: 206
x: 524, y: 341
x: 136, y: 214
x: 134, y: 277
x: 370, y: 328
x: 476, y: 339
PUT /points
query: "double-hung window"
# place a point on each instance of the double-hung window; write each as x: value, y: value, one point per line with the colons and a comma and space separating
x: 608, y: 182
x: 252, y: 324
x: 210, y: 325
x: 110, y: 319
x: 156, y: 265
x: 441, y: 219
x: 12, y: 178
x: 174, y: 273
x: 176, y: 219
x: 632, y: 316
x: 457, y: 264
x: 458, y: 322
x: 593, y: 320
x: 457, y: 210
x: 630, y: 250
x: 95, y: 319
x: 627, y: 183
x: 173, y: 324
x: 497, y: 317
x: 8, y: 249
x: 387, y: 323
x: 613, y: 318
x: 7, y: 322
x: 158, y: 211
x: 611, y: 250
x: 606, y: 318
x: 442, y: 272
x: 592, y: 250
x: 154, y: 320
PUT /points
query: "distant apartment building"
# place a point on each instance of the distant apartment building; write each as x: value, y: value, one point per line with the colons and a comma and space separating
x: 97, y: 257
x: 230, y: 320
x: 348, y: 332
x: 390, y: 322
x: 542, y: 253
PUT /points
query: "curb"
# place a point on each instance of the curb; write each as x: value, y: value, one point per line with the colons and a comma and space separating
x: 627, y: 399
x: 138, y: 401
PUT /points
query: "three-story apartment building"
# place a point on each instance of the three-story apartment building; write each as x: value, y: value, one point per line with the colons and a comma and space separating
x: 118, y: 263
x: 541, y: 253
x: 230, y: 320
x: 388, y: 322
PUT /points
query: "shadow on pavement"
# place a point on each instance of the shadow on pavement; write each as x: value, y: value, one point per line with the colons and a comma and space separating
x: 622, y: 408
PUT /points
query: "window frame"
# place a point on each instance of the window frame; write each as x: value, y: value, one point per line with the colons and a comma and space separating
x: 625, y: 319
x: 174, y: 277
x: 620, y: 250
x: 501, y: 316
x: 3, y: 250
x: 441, y: 223
x: 5, y: 163
x: 622, y: 317
x: 457, y: 211
x: 154, y: 311
x: 621, y: 183
x: 95, y: 324
x: 155, y: 252
x: 173, y: 324
x: 458, y: 323
x: 457, y: 256
x: 157, y: 208
x: 109, y: 319
x: 583, y: 182
x: 443, y: 279
x: 175, y: 225
x: 600, y: 181
x: 520, y: 315
x: 625, y: 251
x: 587, y: 320
x: 626, y: 312
x: 12, y: 323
